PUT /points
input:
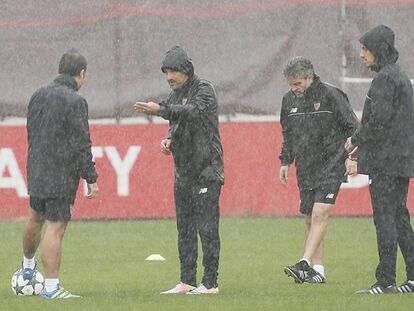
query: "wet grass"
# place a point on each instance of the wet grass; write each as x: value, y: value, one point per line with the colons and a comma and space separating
x: 105, y: 262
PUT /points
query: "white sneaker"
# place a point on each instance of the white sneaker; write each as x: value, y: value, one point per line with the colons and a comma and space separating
x: 180, y: 288
x: 203, y: 290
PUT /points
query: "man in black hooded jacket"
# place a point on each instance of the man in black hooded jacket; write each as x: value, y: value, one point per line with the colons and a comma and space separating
x: 385, y: 143
x: 194, y: 141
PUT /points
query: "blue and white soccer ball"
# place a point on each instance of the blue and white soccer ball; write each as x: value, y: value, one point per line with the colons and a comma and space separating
x: 23, y: 287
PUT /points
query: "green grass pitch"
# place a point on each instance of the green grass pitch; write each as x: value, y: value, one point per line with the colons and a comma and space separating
x: 105, y: 262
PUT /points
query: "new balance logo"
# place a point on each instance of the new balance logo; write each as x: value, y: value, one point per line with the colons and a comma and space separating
x: 203, y: 190
x: 330, y: 196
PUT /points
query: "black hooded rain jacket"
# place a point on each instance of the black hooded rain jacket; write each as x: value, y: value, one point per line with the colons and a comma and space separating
x: 59, y: 143
x: 194, y: 126
x: 386, y: 134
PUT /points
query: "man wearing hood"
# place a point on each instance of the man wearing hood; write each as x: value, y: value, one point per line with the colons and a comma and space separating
x: 194, y: 141
x: 316, y: 119
x: 385, y: 141
x: 59, y: 154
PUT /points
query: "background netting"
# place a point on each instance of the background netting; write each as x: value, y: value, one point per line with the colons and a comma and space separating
x: 242, y: 46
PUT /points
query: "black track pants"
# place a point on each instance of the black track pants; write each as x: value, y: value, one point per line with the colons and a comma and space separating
x: 393, y: 227
x: 197, y: 209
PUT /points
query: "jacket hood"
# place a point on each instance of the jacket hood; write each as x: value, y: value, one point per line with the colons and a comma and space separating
x: 380, y: 42
x: 178, y: 60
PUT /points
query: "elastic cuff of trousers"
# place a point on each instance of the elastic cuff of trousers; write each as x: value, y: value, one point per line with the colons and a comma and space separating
x: 209, y: 284
x: 386, y: 284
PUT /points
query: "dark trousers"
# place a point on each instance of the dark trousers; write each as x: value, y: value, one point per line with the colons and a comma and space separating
x: 393, y: 227
x: 197, y: 209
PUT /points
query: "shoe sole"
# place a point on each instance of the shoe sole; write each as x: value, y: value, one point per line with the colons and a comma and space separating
x: 314, y: 283
x: 405, y: 289
x: 60, y: 298
x: 290, y: 273
x: 179, y: 293
x: 213, y: 292
x: 315, y: 280
x: 368, y: 292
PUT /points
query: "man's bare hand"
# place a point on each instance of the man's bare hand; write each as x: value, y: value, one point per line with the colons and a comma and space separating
x: 284, y: 174
x: 353, y: 154
x: 351, y: 167
x: 348, y: 145
x: 147, y: 108
x: 166, y: 146
x: 92, y: 190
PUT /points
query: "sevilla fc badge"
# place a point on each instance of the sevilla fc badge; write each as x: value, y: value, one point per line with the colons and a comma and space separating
x: 317, y: 106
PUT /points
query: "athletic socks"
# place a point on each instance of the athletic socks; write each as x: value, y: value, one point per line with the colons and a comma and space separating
x: 320, y: 269
x: 28, y: 263
x: 51, y: 285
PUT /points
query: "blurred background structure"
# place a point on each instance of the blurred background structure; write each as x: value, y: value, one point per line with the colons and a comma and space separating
x: 242, y: 46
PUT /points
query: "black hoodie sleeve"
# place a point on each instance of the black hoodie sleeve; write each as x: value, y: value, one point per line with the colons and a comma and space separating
x: 345, y: 118
x: 162, y: 107
x: 378, y: 111
x: 80, y: 140
x: 344, y: 114
x: 286, y: 156
x: 203, y: 100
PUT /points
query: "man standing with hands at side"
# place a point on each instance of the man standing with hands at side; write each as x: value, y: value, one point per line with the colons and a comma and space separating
x: 59, y: 154
x: 385, y: 141
x: 316, y: 119
x: 194, y: 141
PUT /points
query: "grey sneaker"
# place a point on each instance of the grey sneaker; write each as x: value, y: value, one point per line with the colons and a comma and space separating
x: 59, y: 293
x: 180, y: 288
x: 202, y: 290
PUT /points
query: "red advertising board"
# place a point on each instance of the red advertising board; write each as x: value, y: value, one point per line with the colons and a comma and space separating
x: 136, y: 179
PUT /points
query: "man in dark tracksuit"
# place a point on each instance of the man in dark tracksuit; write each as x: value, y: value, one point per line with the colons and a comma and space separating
x: 194, y: 141
x: 316, y: 119
x: 385, y: 143
x: 59, y: 154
